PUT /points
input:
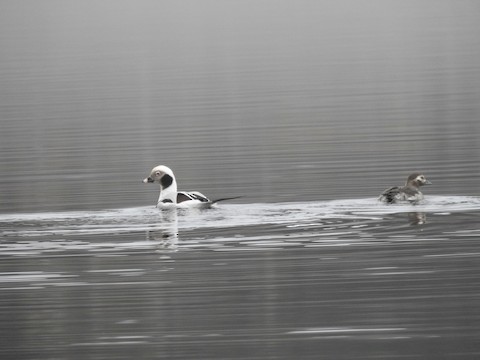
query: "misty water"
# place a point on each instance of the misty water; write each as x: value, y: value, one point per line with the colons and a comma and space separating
x: 305, y: 109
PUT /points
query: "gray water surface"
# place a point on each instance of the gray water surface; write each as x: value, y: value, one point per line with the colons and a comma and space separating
x: 306, y: 109
x: 337, y: 279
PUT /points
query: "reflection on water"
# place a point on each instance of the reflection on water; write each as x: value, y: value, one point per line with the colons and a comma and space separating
x: 348, y: 278
x: 307, y: 109
x: 357, y: 215
x: 243, y: 281
x: 417, y: 218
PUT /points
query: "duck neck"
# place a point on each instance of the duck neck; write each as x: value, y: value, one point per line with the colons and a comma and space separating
x: 412, y: 186
x: 168, y: 190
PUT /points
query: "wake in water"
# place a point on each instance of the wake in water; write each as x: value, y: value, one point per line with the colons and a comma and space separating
x: 141, y: 219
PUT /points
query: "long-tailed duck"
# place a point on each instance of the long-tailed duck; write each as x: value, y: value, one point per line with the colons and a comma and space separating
x: 408, y: 193
x: 169, y: 196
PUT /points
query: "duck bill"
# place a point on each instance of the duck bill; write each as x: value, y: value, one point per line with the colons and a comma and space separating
x: 148, y: 180
x: 428, y: 182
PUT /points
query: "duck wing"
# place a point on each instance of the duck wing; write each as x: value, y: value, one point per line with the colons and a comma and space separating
x: 192, y: 195
x: 183, y: 196
x: 390, y: 195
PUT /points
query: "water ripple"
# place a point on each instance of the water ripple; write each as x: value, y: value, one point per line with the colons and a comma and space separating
x: 359, y: 222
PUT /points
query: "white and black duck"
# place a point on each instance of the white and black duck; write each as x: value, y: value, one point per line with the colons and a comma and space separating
x: 170, y: 196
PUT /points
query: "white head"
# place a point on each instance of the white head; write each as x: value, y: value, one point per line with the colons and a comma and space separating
x: 168, y: 186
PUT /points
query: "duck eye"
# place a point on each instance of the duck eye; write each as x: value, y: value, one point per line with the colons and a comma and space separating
x: 157, y: 173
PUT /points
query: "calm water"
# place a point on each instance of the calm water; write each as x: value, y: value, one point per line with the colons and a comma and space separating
x: 307, y: 109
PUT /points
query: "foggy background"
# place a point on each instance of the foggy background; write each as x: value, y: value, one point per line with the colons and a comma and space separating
x: 288, y: 103
x: 273, y: 100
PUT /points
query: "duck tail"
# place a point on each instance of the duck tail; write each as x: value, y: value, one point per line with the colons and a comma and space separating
x: 226, y: 198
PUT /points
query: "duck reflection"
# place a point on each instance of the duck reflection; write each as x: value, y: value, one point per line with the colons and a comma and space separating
x: 417, y: 218
x: 166, y: 235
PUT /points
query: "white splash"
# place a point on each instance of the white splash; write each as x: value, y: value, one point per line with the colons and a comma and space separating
x: 150, y: 219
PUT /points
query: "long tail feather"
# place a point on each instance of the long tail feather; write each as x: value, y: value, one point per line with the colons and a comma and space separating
x: 226, y: 198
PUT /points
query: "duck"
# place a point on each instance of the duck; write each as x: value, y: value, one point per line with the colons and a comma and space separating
x: 409, y: 193
x: 171, y: 197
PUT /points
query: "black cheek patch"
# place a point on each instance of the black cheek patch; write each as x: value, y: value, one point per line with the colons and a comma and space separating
x: 166, y: 181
